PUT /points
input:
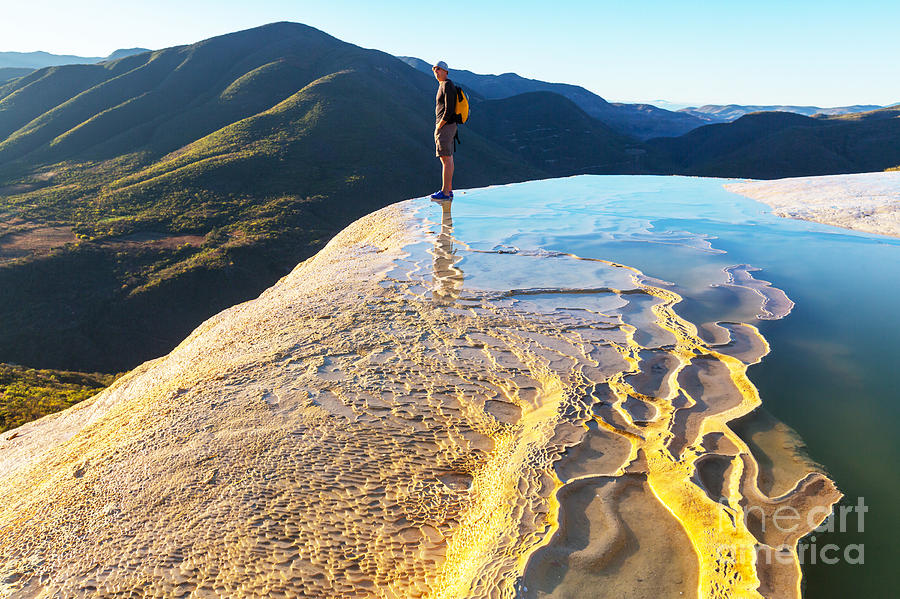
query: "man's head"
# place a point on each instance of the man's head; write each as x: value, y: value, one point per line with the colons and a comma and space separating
x: 440, y: 70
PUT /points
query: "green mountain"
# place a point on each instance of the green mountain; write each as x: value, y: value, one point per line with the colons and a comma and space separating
x: 642, y: 121
x: 771, y: 145
x: 191, y: 178
x: 552, y: 134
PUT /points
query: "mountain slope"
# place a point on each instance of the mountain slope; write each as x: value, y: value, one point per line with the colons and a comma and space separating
x: 9, y: 73
x: 191, y: 178
x: 772, y: 145
x: 551, y: 133
x: 646, y: 121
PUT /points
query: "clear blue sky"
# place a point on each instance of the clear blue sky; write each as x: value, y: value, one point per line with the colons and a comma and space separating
x: 820, y: 52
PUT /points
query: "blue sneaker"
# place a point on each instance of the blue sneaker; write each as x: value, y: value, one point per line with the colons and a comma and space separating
x: 440, y: 195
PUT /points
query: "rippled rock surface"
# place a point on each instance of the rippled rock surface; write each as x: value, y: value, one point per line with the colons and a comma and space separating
x: 864, y: 201
x: 446, y: 401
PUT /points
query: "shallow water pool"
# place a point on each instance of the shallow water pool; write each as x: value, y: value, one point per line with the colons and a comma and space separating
x: 831, y: 374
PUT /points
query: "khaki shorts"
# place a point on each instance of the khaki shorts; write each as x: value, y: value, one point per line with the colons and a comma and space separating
x: 443, y: 139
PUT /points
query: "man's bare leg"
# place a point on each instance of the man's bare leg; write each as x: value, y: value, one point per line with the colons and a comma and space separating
x: 447, y: 174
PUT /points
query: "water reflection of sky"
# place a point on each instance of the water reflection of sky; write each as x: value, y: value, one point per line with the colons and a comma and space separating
x: 832, y: 371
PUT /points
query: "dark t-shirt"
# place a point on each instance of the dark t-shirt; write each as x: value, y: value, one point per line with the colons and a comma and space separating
x: 445, y: 102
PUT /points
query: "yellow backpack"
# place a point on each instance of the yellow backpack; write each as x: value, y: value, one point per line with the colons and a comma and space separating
x: 462, y: 106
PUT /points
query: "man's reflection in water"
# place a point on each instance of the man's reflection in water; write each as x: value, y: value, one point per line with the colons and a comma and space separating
x: 447, y: 278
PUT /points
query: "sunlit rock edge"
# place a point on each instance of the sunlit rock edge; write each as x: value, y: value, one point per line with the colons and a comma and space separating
x: 867, y: 202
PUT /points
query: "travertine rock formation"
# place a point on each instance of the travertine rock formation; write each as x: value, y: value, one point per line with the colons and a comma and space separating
x: 369, y: 427
x: 867, y: 202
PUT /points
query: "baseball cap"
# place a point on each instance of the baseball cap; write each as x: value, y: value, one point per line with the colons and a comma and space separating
x: 441, y: 65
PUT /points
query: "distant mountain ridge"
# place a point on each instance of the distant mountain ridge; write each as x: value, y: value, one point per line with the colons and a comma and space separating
x: 19, y: 64
x: 123, y: 52
x: 673, y: 106
x: 718, y: 113
x: 642, y: 121
x: 38, y: 60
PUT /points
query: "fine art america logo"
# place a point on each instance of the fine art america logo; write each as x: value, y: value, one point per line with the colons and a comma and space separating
x: 786, y: 523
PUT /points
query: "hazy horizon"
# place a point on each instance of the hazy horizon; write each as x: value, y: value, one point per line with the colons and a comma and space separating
x: 807, y: 53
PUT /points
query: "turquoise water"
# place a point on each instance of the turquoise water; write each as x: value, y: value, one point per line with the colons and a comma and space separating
x: 832, y: 371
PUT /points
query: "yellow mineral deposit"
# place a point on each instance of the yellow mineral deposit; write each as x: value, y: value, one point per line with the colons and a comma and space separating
x: 369, y: 427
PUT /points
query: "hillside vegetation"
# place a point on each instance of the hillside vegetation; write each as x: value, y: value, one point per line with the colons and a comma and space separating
x: 27, y: 394
x: 553, y: 135
x: 254, y: 148
x: 772, y: 145
x: 7, y: 73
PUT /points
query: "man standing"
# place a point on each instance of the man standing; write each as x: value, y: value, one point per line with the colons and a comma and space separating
x: 445, y: 128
